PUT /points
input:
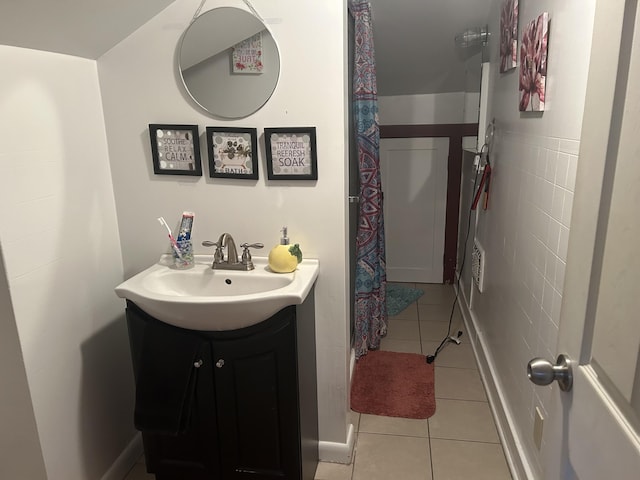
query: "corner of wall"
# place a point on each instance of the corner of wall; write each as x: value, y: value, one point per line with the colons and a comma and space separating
x: 20, y: 455
x: 334, y: 452
x: 129, y: 456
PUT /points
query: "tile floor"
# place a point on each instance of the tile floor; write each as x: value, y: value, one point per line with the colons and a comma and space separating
x: 459, y: 442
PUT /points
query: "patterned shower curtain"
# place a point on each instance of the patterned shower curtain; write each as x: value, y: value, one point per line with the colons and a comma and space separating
x: 371, y: 277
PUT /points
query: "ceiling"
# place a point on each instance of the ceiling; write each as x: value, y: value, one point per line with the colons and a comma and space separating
x: 414, y: 39
x: 414, y: 44
x: 84, y: 28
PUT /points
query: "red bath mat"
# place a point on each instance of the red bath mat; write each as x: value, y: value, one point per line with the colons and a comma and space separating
x: 394, y: 385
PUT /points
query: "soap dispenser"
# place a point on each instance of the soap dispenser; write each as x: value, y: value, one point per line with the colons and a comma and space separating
x: 284, y: 258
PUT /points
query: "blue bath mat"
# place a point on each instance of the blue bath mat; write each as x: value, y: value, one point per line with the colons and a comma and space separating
x: 400, y: 297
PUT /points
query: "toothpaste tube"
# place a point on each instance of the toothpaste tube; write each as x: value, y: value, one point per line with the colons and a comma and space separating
x: 186, y: 224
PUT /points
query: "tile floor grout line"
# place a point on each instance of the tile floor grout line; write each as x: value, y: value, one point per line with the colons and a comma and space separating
x: 461, y: 399
x: 355, y: 453
x: 466, y: 440
x: 419, y: 331
x: 430, y: 451
x: 434, y: 396
x: 457, y: 368
x: 396, y: 434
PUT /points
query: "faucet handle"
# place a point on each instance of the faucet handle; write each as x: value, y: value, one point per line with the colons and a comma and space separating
x: 218, y: 255
x: 247, y: 246
x: 246, y: 254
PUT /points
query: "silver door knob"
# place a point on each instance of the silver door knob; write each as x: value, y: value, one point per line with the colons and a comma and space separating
x: 198, y: 364
x: 543, y: 372
x: 220, y: 363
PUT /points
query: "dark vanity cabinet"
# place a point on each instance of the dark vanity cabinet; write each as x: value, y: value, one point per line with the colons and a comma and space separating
x: 252, y: 412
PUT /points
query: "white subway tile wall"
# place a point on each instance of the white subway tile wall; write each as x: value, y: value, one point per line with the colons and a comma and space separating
x: 529, y: 214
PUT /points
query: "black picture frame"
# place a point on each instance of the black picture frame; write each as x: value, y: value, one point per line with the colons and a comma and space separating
x: 175, y: 149
x: 233, y: 152
x: 291, y: 153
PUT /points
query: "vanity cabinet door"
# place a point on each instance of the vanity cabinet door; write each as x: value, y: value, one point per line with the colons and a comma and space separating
x: 193, y: 454
x: 257, y: 402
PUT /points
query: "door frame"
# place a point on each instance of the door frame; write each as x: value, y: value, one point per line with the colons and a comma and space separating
x: 455, y: 132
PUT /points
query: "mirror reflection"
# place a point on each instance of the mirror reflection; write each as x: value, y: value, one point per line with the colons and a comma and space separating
x: 229, y: 62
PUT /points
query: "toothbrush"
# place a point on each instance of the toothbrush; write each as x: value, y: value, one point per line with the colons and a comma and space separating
x: 174, y: 244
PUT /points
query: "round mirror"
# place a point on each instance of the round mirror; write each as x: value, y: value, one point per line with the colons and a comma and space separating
x: 229, y: 62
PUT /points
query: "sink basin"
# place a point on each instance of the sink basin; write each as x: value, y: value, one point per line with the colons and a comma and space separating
x: 212, y: 300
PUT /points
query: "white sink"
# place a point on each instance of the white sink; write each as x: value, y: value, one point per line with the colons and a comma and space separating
x: 211, y: 300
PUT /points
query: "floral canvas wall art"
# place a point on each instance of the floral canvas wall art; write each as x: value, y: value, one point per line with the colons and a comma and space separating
x: 508, y: 35
x: 533, y: 64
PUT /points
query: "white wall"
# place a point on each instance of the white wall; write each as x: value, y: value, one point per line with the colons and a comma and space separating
x: 431, y: 109
x: 20, y: 452
x: 425, y: 109
x: 526, y: 229
x: 435, y: 108
x: 62, y: 257
x: 139, y: 86
x: 473, y: 81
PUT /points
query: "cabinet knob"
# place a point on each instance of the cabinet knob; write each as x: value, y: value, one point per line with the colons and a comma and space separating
x: 198, y: 364
x: 220, y: 363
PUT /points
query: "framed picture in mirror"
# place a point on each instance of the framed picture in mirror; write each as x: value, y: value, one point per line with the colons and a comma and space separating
x: 175, y: 149
x: 291, y: 153
x: 234, y: 50
x: 233, y: 152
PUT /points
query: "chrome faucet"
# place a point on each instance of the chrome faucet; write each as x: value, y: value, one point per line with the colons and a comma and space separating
x: 231, y: 262
x: 226, y: 240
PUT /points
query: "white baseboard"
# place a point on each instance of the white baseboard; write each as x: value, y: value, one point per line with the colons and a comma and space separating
x: 514, y: 452
x: 327, y: 451
x: 126, y: 460
x: 334, y: 452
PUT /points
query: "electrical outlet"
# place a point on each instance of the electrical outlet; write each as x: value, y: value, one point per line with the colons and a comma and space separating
x: 537, y: 428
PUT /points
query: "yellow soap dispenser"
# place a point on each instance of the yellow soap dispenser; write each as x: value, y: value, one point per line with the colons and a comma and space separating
x: 284, y: 258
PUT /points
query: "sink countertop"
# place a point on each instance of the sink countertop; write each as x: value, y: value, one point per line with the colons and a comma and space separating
x: 201, y: 298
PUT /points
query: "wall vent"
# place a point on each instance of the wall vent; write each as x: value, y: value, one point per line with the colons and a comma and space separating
x: 477, y: 265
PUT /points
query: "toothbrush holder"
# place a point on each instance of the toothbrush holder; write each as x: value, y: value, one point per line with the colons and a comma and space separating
x: 185, y: 259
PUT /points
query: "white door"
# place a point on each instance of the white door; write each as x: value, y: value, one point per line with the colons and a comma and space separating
x: 414, y: 181
x: 600, y: 318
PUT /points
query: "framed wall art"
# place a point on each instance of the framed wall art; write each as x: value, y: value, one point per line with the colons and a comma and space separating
x: 233, y: 152
x: 508, y: 35
x: 533, y: 64
x: 291, y: 153
x: 175, y: 149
